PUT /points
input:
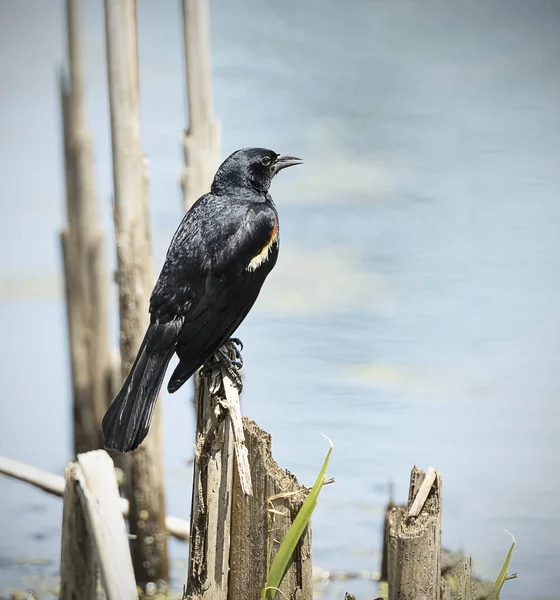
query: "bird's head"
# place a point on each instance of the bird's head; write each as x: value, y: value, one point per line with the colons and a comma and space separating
x: 251, y: 168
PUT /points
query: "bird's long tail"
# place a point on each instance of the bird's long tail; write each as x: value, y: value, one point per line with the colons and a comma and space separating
x: 127, y: 421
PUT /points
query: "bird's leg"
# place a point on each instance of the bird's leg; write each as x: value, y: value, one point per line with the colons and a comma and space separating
x: 233, y: 373
x: 222, y: 358
x: 230, y: 357
x: 233, y: 347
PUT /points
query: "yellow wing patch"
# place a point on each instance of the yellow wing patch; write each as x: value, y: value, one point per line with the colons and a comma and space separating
x: 262, y: 256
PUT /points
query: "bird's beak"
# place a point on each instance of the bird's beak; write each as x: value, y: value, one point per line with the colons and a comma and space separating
x: 286, y: 161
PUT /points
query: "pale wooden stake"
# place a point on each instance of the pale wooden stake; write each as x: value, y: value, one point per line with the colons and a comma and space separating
x: 99, y: 522
x: 423, y: 492
x: 147, y: 506
x: 54, y: 484
x: 201, y: 144
x: 82, y: 244
x: 208, y: 568
x: 233, y: 406
x: 417, y: 561
x: 78, y: 564
x: 100, y: 499
x: 412, y: 552
x: 260, y: 522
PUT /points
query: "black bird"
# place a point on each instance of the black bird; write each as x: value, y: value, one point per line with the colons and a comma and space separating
x: 216, y: 264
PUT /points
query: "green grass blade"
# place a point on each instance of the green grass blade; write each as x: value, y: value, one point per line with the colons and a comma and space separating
x: 504, y: 572
x: 289, y: 543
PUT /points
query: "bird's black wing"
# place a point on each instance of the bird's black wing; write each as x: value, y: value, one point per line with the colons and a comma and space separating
x: 206, y: 278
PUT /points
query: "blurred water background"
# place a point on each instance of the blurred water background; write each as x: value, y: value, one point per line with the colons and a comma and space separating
x: 413, y: 314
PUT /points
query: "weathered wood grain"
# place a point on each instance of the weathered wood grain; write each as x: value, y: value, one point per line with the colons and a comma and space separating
x: 135, y: 278
x: 78, y: 564
x: 417, y: 564
x: 260, y: 522
x: 94, y: 532
x: 201, y: 144
x: 82, y: 244
x: 54, y: 484
x: 209, y: 550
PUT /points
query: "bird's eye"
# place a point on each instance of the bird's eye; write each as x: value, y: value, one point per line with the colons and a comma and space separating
x: 265, y: 160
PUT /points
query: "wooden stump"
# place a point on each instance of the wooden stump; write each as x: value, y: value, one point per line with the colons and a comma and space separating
x: 135, y: 277
x: 78, y: 564
x: 82, y: 243
x: 55, y: 485
x: 412, y: 545
x: 94, y: 531
x: 260, y: 522
x: 207, y: 577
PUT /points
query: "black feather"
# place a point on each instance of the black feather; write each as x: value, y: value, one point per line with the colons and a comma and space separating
x: 128, y: 419
x: 216, y: 264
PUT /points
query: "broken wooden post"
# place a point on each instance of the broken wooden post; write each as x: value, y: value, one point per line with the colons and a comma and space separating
x: 54, y: 484
x: 412, y: 554
x: 78, y: 564
x: 94, y: 531
x: 208, y: 567
x: 260, y: 522
x: 147, y: 507
x: 201, y: 144
x: 220, y: 443
x: 83, y: 255
x: 414, y: 560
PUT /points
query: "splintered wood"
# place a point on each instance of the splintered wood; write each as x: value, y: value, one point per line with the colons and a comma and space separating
x: 135, y: 277
x: 242, y: 505
x: 220, y: 448
x: 414, y: 565
x: 94, y: 531
x: 231, y: 403
x: 412, y: 544
x: 207, y: 576
x: 78, y: 564
x: 54, y: 484
x: 260, y: 522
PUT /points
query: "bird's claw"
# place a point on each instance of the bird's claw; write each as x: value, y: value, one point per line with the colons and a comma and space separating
x: 222, y: 358
x: 234, y: 346
x: 236, y: 342
x: 236, y: 361
x: 232, y: 364
x: 231, y: 352
x: 234, y: 375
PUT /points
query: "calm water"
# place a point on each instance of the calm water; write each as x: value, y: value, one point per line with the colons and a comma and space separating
x: 413, y: 315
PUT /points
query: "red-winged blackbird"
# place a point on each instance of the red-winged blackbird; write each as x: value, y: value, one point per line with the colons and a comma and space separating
x: 218, y: 259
